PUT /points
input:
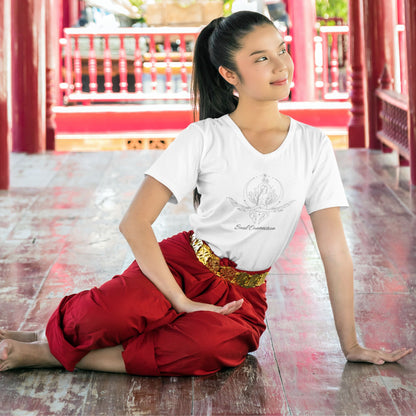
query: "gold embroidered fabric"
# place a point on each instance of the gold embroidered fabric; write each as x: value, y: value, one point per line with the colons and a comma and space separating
x: 206, y: 256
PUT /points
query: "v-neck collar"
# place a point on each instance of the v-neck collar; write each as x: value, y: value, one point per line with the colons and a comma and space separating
x: 243, y: 138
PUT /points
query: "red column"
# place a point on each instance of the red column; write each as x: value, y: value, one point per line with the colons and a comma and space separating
x: 303, y: 16
x: 410, y: 12
x: 5, y: 32
x: 53, y: 23
x: 402, y: 47
x: 28, y: 80
x: 379, y: 18
x: 356, y: 126
x: 71, y: 11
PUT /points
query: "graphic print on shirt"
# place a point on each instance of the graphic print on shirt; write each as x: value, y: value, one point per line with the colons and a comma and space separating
x: 263, y: 195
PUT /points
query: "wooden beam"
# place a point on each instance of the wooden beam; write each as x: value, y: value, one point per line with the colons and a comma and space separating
x: 71, y: 12
x: 28, y: 75
x: 53, y: 22
x: 356, y: 126
x: 379, y: 18
x: 410, y: 15
x: 303, y: 17
x: 4, y: 93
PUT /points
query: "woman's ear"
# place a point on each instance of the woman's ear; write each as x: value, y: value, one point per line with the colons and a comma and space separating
x: 230, y: 76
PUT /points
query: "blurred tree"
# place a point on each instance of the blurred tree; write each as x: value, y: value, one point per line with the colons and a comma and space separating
x: 332, y: 8
x: 227, y: 7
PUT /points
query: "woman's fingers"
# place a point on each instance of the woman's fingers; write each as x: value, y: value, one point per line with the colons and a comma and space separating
x: 190, y: 306
x: 360, y: 354
x: 381, y: 357
x: 231, y: 307
x: 395, y: 355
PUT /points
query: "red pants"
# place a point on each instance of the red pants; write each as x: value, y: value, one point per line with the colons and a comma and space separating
x: 130, y: 311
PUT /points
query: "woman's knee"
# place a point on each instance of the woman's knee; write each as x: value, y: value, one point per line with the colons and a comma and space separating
x: 207, y: 341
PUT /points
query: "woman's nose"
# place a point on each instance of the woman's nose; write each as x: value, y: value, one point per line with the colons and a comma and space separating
x: 279, y: 63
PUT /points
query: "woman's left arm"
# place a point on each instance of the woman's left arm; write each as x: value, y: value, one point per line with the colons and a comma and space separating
x: 337, y: 262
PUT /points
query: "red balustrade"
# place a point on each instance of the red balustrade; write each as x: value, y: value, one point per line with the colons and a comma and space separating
x: 156, y: 64
x: 92, y: 66
x: 108, y: 70
x: 77, y: 66
x: 393, y: 129
x: 168, y: 64
x: 122, y: 65
x: 332, y: 40
x: 138, y: 70
x: 153, y: 70
x: 183, y: 60
x: 334, y: 63
x: 319, y: 68
x: 157, y: 70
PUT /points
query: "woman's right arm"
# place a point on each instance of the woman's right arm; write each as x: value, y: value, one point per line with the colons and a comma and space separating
x: 136, y: 227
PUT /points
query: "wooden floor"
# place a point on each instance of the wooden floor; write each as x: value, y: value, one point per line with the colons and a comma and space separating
x: 59, y: 234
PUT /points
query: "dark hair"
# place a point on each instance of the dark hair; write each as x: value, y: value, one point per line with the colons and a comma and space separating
x: 216, y: 46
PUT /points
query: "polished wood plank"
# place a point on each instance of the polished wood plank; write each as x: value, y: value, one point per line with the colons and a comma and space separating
x: 400, y: 382
x: 316, y: 378
x: 59, y: 235
x: 253, y: 388
x: 379, y: 167
x: 119, y: 394
x: 43, y: 392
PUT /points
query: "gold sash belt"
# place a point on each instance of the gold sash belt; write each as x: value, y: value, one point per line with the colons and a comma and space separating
x: 206, y: 256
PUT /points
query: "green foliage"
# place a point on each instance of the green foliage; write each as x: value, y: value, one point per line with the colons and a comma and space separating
x: 332, y: 8
x: 227, y: 7
x: 227, y: 4
x: 138, y: 4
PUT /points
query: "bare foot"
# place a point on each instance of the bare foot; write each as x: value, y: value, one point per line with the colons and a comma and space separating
x: 23, y: 336
x: 16, y: 354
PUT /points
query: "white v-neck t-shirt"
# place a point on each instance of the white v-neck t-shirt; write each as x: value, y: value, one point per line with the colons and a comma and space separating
x: 250, y: 202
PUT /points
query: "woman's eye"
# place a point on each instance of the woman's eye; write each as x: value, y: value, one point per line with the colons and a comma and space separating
x: 282, y: 51
x: 262, y: 59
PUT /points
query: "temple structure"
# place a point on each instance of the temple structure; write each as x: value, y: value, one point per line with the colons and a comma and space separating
x: 383, y: 111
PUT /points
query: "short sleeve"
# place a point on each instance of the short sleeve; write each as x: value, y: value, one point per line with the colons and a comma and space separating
x: 325, y: 188
x: 178, y: 166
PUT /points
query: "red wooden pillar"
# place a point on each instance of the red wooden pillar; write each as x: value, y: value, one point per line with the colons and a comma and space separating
x: 402, y: 47
x: 53, y: 27
x: 5, y: 35
x: 379, y: 18
x: 71, y: 11
x: 303, y: 16
x: 28, y: 76
x: 410, y: 12
x: 356, y: 126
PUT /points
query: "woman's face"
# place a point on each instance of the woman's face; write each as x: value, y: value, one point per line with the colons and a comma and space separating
x: 264, y: 65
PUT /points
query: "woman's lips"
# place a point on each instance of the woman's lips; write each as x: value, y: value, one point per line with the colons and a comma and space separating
x: 280, y: 82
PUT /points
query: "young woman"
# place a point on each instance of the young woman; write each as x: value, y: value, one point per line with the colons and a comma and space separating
x: 196, y: 302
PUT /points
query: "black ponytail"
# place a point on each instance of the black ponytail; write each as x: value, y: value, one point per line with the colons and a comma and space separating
x: 212, y: 95
x: 216, y: 46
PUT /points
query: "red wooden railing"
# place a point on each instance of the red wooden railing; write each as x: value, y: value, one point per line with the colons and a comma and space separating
x: 330, y: 63
x: 135, y: 64
x: 123, y: 54
x: 393, y: 130
x: 393, y: 123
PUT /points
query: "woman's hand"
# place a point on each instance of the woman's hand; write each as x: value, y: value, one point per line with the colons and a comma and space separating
x: 187, y: 305
x: 379, y: 357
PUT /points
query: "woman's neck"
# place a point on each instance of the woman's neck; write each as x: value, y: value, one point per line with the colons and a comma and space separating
x: 263, y: 126
x: 259, y: 116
